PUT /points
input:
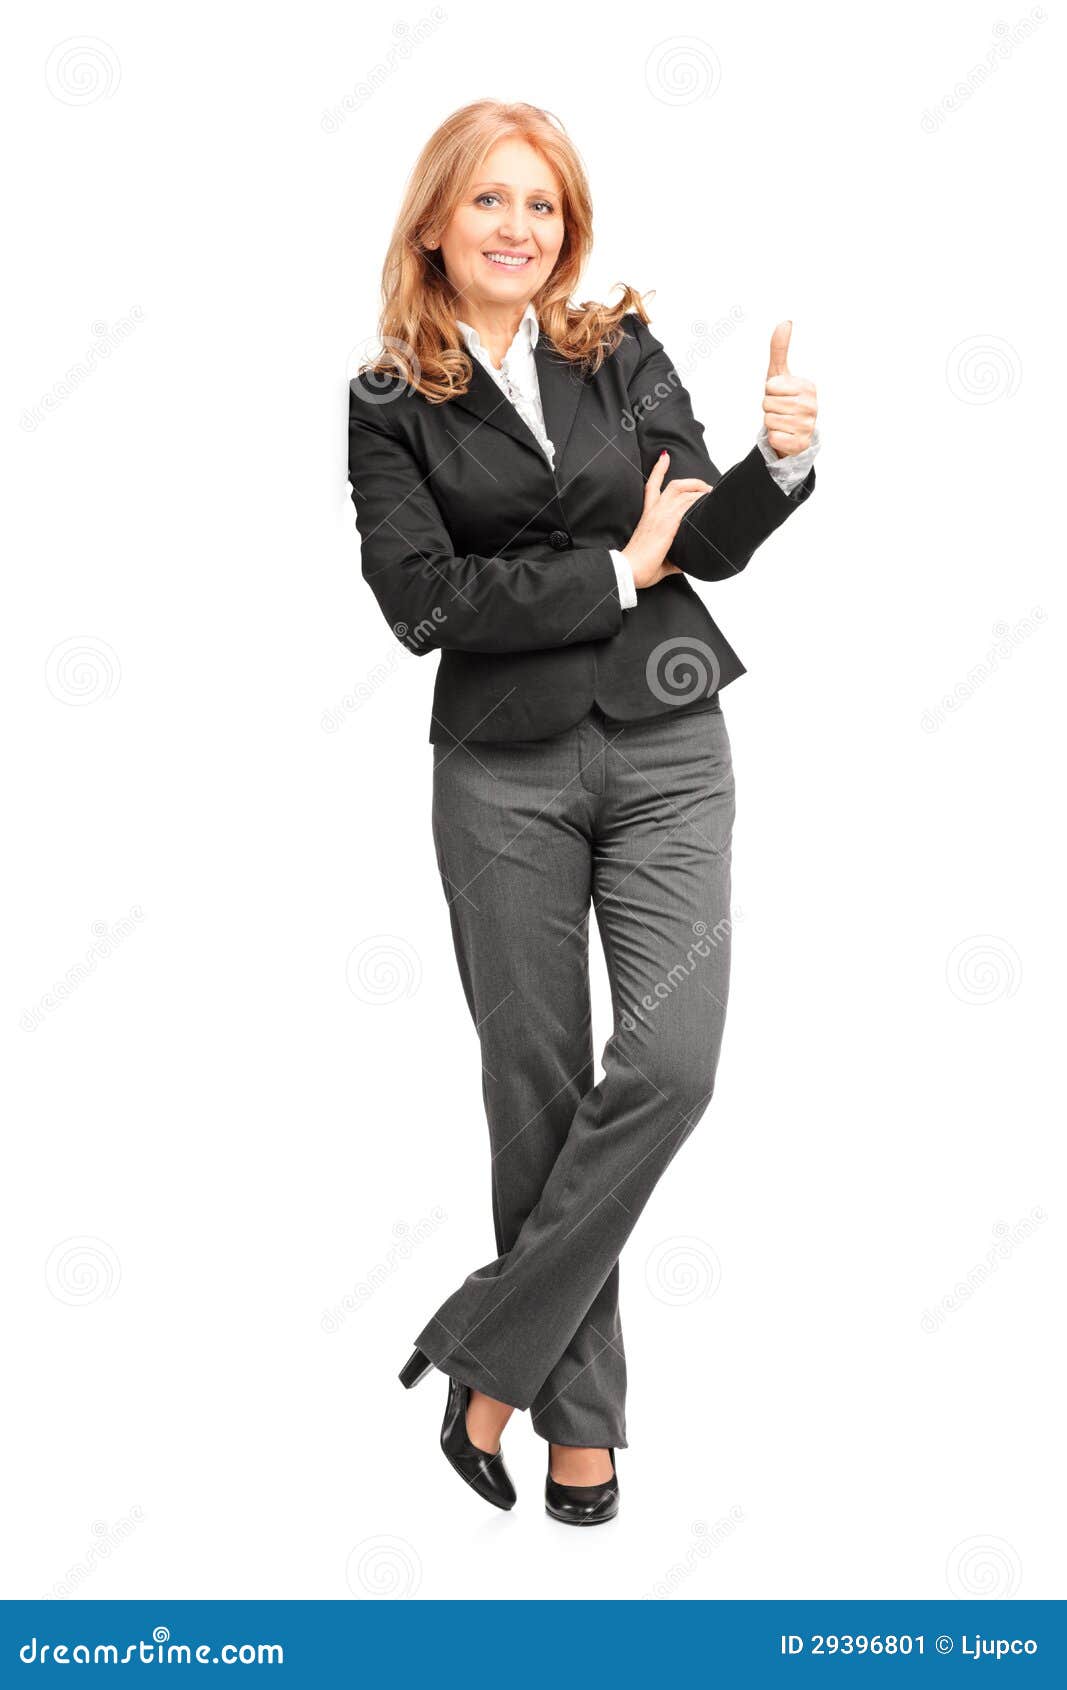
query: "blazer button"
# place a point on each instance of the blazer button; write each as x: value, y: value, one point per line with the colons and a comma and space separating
x: 559, y: 540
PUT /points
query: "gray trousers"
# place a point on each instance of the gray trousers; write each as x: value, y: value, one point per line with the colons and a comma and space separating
x: 635, y: 818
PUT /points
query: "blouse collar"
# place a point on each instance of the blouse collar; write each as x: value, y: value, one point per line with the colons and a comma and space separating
x: 527, y: 332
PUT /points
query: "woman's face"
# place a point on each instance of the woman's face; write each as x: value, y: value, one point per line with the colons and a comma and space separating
x: 511, y: 210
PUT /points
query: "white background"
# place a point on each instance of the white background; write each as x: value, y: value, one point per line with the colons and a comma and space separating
x: 219, y: 1134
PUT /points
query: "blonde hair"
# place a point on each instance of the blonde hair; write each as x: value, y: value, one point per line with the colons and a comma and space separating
x: 417, y: 326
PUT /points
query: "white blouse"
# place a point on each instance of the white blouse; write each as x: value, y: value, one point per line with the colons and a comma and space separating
x: 517, y: 380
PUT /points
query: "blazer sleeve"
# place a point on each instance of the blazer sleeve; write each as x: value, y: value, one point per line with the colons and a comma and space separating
x: 720, y: 531
x: 435, y: 599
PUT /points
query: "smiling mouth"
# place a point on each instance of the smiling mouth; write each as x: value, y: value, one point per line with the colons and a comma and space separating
x: 509, y: 260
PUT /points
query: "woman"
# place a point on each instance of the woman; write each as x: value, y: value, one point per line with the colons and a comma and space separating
x: 532, y: 494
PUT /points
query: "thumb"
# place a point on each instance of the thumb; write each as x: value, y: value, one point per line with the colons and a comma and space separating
x: 778, y: 365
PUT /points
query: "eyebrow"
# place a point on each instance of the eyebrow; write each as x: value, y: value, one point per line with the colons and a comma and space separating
x: 549, y: 192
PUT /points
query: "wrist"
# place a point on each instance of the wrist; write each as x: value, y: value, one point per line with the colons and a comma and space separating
x: 636, y: 562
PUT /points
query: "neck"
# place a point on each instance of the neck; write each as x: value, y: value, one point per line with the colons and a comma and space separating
x: 497, y: 325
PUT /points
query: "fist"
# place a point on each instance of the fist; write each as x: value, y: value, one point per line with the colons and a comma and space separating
x: 789, y: 403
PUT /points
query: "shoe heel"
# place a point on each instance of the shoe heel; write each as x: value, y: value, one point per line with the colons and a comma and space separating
x: 415, y: 1368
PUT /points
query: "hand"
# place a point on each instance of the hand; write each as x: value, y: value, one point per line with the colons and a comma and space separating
x: 789, y: 403
x: 646, y: 551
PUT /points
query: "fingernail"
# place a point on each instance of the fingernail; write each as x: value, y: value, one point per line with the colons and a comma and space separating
x: 663, y: 454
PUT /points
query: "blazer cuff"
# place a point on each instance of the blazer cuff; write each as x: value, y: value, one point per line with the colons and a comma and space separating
x: 790, y: 471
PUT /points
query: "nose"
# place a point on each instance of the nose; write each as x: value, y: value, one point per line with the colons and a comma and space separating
x: 514, y: 227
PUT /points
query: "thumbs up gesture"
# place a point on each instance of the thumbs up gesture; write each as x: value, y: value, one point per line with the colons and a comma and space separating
x: 789, y: 403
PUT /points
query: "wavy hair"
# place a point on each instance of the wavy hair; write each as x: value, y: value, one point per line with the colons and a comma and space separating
x: 417, y: 326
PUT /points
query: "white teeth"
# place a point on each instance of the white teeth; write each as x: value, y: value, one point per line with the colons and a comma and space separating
x: 513, y: 263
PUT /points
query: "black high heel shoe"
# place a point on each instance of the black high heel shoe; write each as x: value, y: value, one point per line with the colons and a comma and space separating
x: 483, y: 1472
x: 582, y: 1505
x: 415, y: 1368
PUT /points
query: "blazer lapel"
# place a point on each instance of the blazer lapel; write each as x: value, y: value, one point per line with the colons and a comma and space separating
x: 560, y: 386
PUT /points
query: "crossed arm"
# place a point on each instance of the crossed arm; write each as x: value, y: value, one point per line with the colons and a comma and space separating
x: 434, y: 598
x: 720, y: 531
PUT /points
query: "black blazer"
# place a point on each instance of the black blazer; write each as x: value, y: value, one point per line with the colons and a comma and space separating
x: 474, y: 547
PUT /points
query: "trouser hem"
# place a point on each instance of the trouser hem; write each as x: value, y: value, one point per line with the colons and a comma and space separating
x: 470, y: 1374
x: 615, y: 1441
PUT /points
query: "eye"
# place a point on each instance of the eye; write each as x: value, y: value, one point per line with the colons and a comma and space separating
x: 544, y: 207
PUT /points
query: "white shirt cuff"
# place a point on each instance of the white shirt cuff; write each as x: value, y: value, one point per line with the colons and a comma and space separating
x: 788, y: 472
x: 625, y: 577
